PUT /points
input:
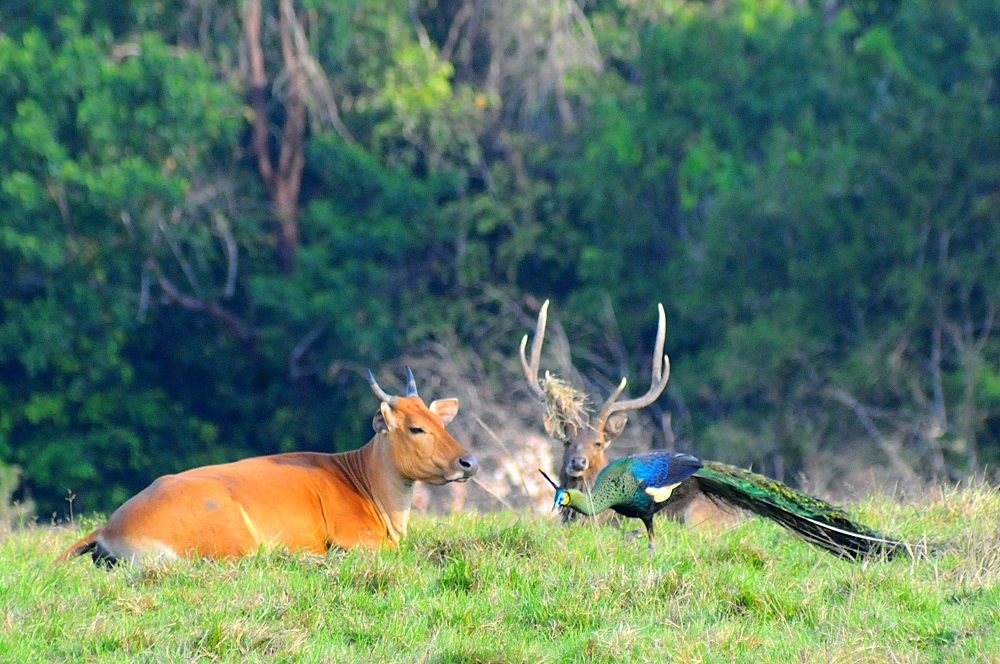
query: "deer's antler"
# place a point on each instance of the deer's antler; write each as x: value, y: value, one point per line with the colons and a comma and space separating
x: 661, y: 374
x: 531, y: 369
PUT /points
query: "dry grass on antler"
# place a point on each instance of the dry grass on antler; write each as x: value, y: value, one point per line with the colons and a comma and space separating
x: 564, y: 404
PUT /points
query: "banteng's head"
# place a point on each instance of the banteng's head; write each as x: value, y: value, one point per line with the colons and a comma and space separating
x: 419, y: 446
x: 586, y: 437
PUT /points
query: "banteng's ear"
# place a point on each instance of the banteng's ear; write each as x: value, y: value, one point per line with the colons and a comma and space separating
x: 379, y: 424
x: 614, y: 427
x: 384, y: 421
x: 446, y: 409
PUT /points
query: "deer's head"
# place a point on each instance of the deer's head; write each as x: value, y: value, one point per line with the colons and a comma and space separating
x: 586, y: 437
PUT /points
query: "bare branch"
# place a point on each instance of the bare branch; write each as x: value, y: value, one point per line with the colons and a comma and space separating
x: 425, y: 41
x: 300, y: 349
x: 144, y: 288
x: 462, y: 16
x: 230, y: 250
x: 496, y: 439
x: 317, y: 94
x: 228, y: 319
x: 58, y: 194
x: 891, y: 451
x: 258, y: 92
x: 491, y: 492
x: 175, y: 249
x: 583, y: 24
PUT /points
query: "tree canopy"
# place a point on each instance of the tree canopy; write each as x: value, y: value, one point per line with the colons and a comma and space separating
x: 213, y: 213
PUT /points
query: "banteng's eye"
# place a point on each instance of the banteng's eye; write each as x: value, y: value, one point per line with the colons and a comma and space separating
x: 416, y: 430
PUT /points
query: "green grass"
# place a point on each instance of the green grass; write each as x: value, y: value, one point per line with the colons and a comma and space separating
x: 508, y: 588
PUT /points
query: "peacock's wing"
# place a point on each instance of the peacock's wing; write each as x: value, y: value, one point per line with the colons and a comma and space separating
x: 815, y: 520
x: 659, y: 473
x: 639, y: 486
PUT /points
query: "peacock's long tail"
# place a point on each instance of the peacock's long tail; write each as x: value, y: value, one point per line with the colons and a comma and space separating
x: 815, y: 520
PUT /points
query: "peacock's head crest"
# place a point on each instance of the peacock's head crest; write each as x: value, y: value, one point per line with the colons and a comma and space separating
x: 563, y: 498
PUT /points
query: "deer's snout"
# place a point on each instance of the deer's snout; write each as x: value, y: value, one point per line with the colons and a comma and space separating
x: 576, y: 466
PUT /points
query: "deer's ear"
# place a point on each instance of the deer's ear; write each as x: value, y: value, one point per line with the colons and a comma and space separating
x: 446, y: 409
x: 614, y: 427
x: 384, y: 420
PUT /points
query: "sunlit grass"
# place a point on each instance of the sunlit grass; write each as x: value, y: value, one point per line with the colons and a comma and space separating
x: 509, y: 588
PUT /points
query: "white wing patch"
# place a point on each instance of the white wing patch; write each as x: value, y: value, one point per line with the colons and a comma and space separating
x: 660, y: 494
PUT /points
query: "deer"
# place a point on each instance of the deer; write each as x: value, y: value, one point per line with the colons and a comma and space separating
x: 586, y: 439
x: 303, y: 501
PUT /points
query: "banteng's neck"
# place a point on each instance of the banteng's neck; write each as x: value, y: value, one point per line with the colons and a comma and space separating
x: 372, y: 475
x: 390, y: 492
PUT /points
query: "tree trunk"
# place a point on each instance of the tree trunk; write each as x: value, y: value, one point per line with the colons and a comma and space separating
x: 284, y: 182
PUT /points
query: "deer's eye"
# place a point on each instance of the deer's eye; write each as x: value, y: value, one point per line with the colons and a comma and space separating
x: 416, y: 430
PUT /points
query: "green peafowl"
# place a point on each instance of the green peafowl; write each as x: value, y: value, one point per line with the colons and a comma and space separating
x: 640, y: 486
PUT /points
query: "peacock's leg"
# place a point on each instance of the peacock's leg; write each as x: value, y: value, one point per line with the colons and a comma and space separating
x: 649, y: 531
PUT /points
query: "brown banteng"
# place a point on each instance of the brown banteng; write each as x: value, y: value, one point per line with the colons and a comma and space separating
x: 305, y: 501
x: 586, y: 439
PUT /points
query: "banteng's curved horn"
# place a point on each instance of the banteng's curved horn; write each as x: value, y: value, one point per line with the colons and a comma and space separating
x: 379, y: 392
x: 411, y: 385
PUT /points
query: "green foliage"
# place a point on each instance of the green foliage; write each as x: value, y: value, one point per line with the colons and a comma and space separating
x: 792, y: 213
x: 809, y: 188
x: 98, y: 150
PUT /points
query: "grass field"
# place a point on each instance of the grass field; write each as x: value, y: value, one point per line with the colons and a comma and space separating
x: 514, y: 588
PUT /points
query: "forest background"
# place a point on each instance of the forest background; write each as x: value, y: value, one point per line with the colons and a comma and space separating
x: 215, y: 213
